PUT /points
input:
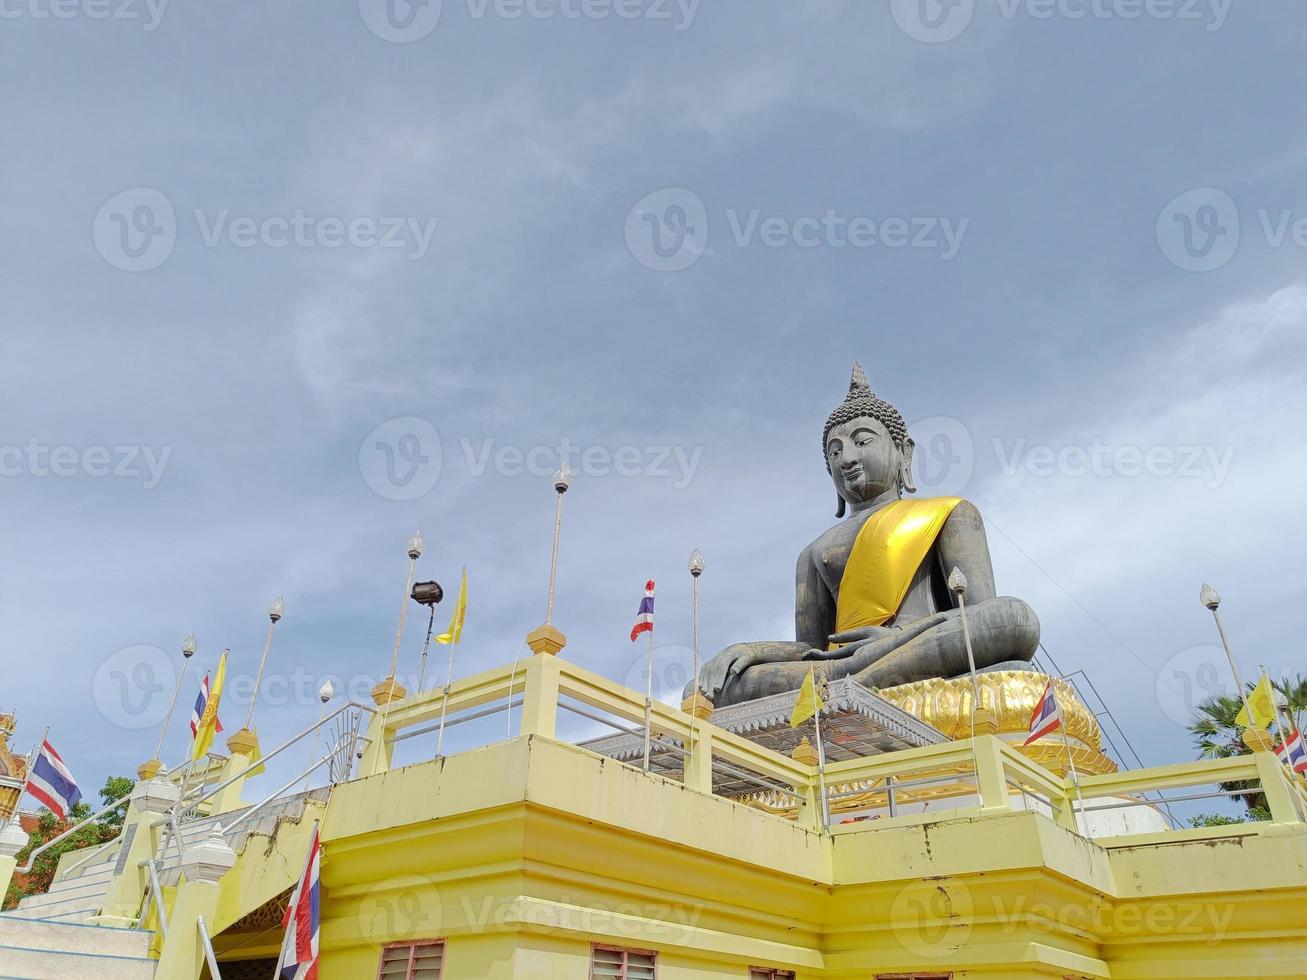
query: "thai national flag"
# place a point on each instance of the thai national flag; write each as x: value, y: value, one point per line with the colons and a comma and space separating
x: 1293, y: 753
x: 1047, y: 716
x: 52, y: 783
x: 299, y: 950
x: 644, y: 618
x: 201, y: 703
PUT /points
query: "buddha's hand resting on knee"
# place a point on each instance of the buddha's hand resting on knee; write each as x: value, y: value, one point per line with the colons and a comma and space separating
x: 722, y: 669
x: 847, y: 642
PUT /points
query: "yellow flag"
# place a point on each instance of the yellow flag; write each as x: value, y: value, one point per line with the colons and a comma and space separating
x: 809, y: 702
x: 455, y: 632
x: 204, y: 732
x: 1262, y: 703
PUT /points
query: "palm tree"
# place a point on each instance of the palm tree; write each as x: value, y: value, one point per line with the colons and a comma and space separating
x: 1216, y: 736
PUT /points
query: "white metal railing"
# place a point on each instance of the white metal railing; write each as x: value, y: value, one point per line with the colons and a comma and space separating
x: 116, y: 804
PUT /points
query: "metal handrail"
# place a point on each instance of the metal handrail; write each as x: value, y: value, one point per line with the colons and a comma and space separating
x: 209, y: 955
x: 245, y: 815
x: 185, y: 804
x: 156, y: 896
x: 91, y: 852
x: 126, y: 798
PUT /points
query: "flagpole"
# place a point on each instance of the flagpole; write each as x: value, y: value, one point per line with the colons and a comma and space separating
x: 648, y: 703
x: 31, y: 760
x: 1075, y: 776
x: 821, y: 758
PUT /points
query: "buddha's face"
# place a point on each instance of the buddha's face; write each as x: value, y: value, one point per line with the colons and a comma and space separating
x: 864, y: 462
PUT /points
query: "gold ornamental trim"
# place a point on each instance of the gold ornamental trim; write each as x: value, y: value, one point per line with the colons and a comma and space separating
x: 1011, y: 695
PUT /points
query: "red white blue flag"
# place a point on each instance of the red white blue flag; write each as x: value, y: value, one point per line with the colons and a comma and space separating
x: 1293, y: 753
x: 51, y: 782
x: 644, y: 618
x: 1047, y: 716
x: 201, y: 703
x: 299, y: 950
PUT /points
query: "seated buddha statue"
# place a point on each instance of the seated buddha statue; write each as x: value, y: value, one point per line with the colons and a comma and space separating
x: 871, y: 594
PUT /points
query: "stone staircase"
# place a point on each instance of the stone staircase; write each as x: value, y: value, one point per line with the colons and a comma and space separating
x: 73, y: 897
x: 53, y: 949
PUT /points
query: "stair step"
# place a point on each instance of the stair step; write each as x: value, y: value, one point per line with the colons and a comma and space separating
x: 18, y: 963
x: 73, y: 937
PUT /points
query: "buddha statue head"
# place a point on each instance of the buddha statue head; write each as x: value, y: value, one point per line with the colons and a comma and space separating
x: 867, y: 447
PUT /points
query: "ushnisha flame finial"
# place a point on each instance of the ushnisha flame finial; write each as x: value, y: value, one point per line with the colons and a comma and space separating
x: 858, y: 381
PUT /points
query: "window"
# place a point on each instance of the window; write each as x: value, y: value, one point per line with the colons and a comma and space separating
x: 610, y: 963
x: 767, y: 973
x: 412, y: 961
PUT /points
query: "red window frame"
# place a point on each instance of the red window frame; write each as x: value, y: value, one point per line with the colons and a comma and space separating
x: 625, y: 951
x: 412, y: 948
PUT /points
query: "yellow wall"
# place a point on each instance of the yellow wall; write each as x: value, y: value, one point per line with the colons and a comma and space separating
x: 522, y: 853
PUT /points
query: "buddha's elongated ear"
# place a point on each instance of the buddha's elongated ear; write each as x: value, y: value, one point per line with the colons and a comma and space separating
x: 839, y: 509
x: 905, y: 466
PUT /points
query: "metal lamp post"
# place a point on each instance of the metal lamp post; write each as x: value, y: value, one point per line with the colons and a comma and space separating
x: 547, y: 638
x: 275, y: 611
x: 390, y: 689
x: 1253, y: 737
x: 325, y: 693
x: 696, y: 704
x: 152, y: 768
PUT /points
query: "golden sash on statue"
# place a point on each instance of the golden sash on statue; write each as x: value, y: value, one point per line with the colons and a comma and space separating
x: 889, y: 549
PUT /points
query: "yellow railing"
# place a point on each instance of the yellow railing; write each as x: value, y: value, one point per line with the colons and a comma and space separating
x: 985, y: 779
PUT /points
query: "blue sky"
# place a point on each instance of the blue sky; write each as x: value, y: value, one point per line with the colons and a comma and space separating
x: 307, y: 277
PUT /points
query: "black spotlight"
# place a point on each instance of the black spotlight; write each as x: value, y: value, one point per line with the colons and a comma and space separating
x: 427, y: 593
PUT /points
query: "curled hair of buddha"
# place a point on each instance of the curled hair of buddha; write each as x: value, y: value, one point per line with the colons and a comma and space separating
x: 861, y: 402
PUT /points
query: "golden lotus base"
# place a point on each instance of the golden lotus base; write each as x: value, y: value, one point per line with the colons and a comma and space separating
x: 243, y: 742
x: 148, y: 770
x: 546, y: 639
x: 1008, y: 698
x: 698, y: 706
x: 387, y: 691
x: 1258, y: 740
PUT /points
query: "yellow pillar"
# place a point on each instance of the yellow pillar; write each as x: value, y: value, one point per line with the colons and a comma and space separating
x: 203, y: 864
x: 991, y: 783
x: 379, y: 752
x: 1275, y: 786
x: 540, y: 697
x: 143, y: 829
x: 698, y: 763
x: 241, y: 746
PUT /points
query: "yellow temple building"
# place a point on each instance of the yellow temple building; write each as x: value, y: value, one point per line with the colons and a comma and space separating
x: 918, y: 852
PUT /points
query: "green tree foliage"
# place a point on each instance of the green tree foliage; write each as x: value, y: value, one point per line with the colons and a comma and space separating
x: 1216, y: 736
x: 106, y: 828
